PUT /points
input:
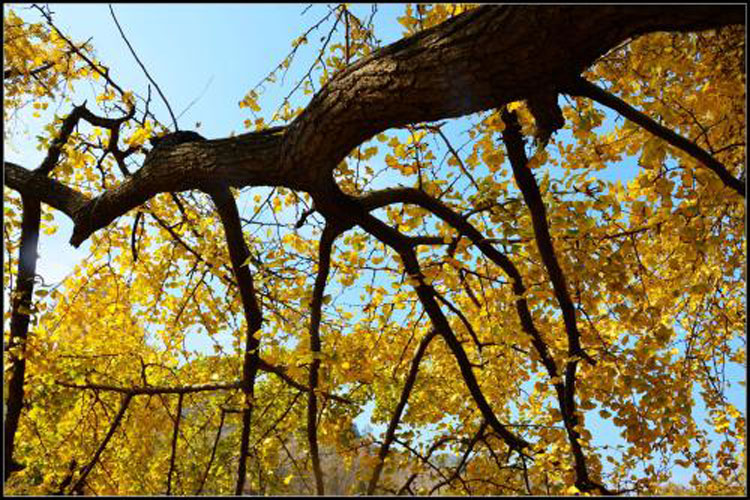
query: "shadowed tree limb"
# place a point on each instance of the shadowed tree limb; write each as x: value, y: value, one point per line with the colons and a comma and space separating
x: 22, y: 300
x: 421, y: 78
x: 533, y: 198
x: 324, y: 265
x: 238, y: 252
x: 582, y: 87
x: 465, y: 228
x: 350, y: 210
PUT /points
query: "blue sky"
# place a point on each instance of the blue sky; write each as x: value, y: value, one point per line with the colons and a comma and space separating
x: 216, y: 53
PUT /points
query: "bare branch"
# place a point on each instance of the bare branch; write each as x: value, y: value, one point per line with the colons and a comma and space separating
x: 115, y: 423
x: 158, y: 89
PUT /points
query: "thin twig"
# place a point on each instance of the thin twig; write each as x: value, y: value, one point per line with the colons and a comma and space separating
x: 169, y: 108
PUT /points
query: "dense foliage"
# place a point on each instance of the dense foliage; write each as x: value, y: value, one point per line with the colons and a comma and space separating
x: 584, y: 277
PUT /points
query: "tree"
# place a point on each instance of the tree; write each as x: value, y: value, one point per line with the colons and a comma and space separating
x: 502, y: 302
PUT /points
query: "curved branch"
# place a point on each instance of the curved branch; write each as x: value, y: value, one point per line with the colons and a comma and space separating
x: 582, y: 87
x: 50, y: 191
x: 465, y: 228
x: 467, y: 64
x: 350, y: 210
x: 533, y: 198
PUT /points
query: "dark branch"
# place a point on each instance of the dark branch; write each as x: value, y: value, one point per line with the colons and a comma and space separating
x: 582, y: 87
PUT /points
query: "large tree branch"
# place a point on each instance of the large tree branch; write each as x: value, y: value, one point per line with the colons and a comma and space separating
x: 478, y: 60
x: 50, y: 191
x: 533, y: 199
x: 465, y: 228
x: 238, y: 253
x: 21, y: 299
x: 349, y: 210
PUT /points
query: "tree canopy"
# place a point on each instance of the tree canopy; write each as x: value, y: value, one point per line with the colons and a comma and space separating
x: 500, y: 298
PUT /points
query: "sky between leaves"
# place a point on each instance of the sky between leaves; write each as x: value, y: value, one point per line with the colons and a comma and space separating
x: 210, y: 56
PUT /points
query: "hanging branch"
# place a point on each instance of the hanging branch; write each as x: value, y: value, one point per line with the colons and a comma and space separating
x: 174, y: 442
x: 353, y: 212
x: 582, y: 87
x: 532, y: 196
x: 21, y: 298
x: 324, y: 265
x: 238, y: 252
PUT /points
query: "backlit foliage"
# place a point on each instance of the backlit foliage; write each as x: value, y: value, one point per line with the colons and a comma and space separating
x: 652, y: 245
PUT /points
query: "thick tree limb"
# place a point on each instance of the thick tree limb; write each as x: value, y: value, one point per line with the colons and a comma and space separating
x: 478, y: 60
x: 350, y: 210
x: 22, y: 300
x: 50, y: 191
x: 238, y: 253
x: 533, y: 198
x: 465, y: 228
x: 582, y: 87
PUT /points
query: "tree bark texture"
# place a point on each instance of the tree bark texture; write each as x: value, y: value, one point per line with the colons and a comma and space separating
x: 478, y: 60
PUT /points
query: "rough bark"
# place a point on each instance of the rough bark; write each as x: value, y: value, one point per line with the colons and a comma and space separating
x: 479, y: 60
